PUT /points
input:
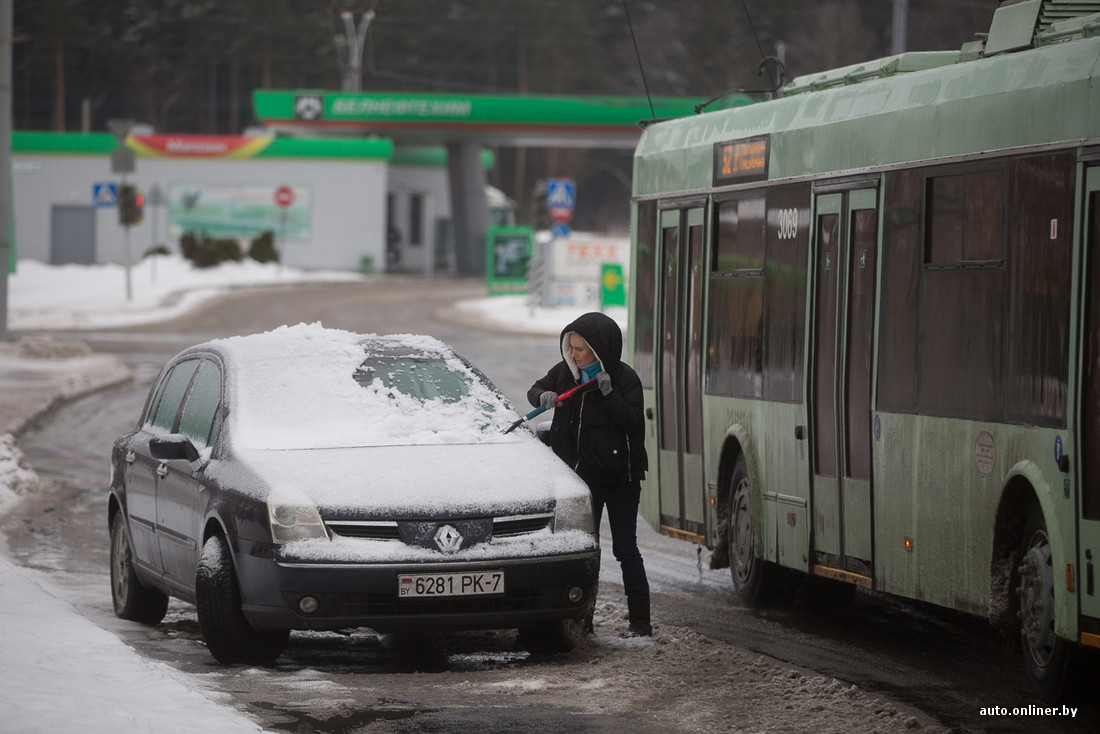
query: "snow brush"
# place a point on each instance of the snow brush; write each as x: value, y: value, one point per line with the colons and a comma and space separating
x: 542, y: 409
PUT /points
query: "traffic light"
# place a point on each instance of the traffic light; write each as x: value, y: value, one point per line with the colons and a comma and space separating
x: 139, y: 206
x: 131, y: 205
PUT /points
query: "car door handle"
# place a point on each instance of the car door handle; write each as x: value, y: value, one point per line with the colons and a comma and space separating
x: 131, y: 457
x: 162, y: 470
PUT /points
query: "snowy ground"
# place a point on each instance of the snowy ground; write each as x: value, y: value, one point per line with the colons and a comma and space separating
x: 62, y: 673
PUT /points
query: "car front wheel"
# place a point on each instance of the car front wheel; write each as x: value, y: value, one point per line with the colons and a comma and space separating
x: 132, y: 600
x: 229, y: 636
x: 550, y: 638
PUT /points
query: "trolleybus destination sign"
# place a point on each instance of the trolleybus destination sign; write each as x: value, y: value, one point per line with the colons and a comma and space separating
x: 736, y: 161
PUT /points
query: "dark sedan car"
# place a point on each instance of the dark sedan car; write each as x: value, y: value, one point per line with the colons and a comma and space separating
x: 308, y: 478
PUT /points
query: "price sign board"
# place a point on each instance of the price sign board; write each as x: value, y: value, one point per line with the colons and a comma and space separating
x: 507, y: 251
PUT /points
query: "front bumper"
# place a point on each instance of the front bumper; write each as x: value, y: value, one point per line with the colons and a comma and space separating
x: 366, y: 595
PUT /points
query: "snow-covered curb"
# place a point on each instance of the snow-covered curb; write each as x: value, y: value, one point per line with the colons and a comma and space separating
x: 516, y: 314
x: 105, y: 687
x: 37, y: 373
x: 16, y: 476
x: 162, y: 286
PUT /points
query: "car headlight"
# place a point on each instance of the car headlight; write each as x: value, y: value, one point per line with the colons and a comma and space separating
x: 293, y: 517
x: 573, y: 512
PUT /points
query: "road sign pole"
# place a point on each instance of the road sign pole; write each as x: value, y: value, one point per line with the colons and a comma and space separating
x: 6, y: 245
x: 284, y: 198
x: 126, y: 254
x: 123, y: 164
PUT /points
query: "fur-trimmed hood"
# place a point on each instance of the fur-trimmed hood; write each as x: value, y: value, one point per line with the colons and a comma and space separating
x: 604, y: 337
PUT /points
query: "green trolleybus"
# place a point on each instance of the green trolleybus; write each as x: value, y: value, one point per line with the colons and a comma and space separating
x: 867, y: 317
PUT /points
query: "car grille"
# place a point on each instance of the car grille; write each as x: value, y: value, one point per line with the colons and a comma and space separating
x: 372, y: 529
x: 509, y: 526
x: 506, y: 527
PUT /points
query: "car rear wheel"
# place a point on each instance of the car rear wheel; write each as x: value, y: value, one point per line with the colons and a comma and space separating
x: 229, y: 636
x: 131, y: 599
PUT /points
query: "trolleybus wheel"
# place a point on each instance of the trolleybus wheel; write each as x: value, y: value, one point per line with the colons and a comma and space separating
x: 752, y: 575
x: 1049, y: 659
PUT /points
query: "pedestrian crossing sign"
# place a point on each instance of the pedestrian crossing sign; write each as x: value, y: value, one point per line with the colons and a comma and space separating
x: 104, y: 194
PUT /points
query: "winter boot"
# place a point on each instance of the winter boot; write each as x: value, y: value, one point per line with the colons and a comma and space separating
x: 638, y: 608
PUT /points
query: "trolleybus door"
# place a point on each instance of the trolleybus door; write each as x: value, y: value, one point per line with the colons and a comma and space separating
x: 1089, y: 414
x: 680, y: 369
x: 845, y: 267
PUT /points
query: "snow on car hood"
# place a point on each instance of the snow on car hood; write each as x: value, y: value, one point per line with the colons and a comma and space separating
x: 419, y: 481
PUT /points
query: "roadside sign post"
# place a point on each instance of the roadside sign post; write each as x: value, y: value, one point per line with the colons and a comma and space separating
x: 156, y: 199
x: 123, y: 162
x: 284, y: 198
x: 561, y: 197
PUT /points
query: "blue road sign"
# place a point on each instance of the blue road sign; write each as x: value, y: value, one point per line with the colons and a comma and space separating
x: 560, y: 230
x: 561, y: 192
x: 104, y: 195
x: 561, y: 195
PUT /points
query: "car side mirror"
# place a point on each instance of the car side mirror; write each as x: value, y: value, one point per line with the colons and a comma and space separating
x: 173, y: 447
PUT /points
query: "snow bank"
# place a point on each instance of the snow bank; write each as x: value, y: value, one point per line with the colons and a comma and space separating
x: 63, y: 673
x: 16, y: 476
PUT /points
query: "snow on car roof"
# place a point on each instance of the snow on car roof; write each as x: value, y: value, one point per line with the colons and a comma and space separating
x: 295, y: 387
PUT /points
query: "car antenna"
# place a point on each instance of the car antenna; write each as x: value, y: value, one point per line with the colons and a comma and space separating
x: 777, y: 79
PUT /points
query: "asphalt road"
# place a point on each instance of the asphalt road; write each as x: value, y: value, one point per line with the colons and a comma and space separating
x: 943, y: 664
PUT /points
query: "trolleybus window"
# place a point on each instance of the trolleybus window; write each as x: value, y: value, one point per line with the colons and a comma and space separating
x: 735, y: 331
x: 969, y: 331
x: 1040, y: 260
x: 788, y: 240
x: 1090, y: 398
x: 858, y: 409
x: 758, y: 295
x: 645, y: 287
x: 966, y: 218
x: 900, y: 291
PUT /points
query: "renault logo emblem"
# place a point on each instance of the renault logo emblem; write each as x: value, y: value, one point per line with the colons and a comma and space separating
x: 448, y: 538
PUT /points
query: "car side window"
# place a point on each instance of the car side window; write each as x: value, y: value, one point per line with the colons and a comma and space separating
x: 200, y: 413
x: 174, y: 387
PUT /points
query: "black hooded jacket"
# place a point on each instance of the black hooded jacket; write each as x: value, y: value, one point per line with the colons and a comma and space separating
x: 601, y: 437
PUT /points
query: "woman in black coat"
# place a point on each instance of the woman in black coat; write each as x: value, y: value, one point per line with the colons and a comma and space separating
x: 600, y: 433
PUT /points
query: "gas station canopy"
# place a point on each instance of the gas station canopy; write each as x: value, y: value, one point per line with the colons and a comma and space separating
x: 491, y: 120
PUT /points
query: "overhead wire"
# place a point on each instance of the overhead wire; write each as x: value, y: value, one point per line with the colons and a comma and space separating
x: 641, y: 67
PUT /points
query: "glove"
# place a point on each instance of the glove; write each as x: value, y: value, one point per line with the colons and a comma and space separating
x: 548, y: 399
x: 603, y: 381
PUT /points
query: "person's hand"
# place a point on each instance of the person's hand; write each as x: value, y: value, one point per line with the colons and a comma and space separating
x: 603, y: 381
x: 548, y: 400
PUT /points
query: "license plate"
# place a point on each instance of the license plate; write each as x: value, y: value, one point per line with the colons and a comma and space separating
x: 411, y: 585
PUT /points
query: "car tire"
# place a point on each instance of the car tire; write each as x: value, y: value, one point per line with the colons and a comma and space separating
x: 553, y: 637
x: 132, y: 600
x: 229, y: 636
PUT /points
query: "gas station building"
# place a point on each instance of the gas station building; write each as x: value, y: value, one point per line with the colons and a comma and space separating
x: 338, y: 177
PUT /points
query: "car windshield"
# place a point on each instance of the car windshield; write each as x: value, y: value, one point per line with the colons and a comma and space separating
x: 423, y: 378
x: 309, y: 387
